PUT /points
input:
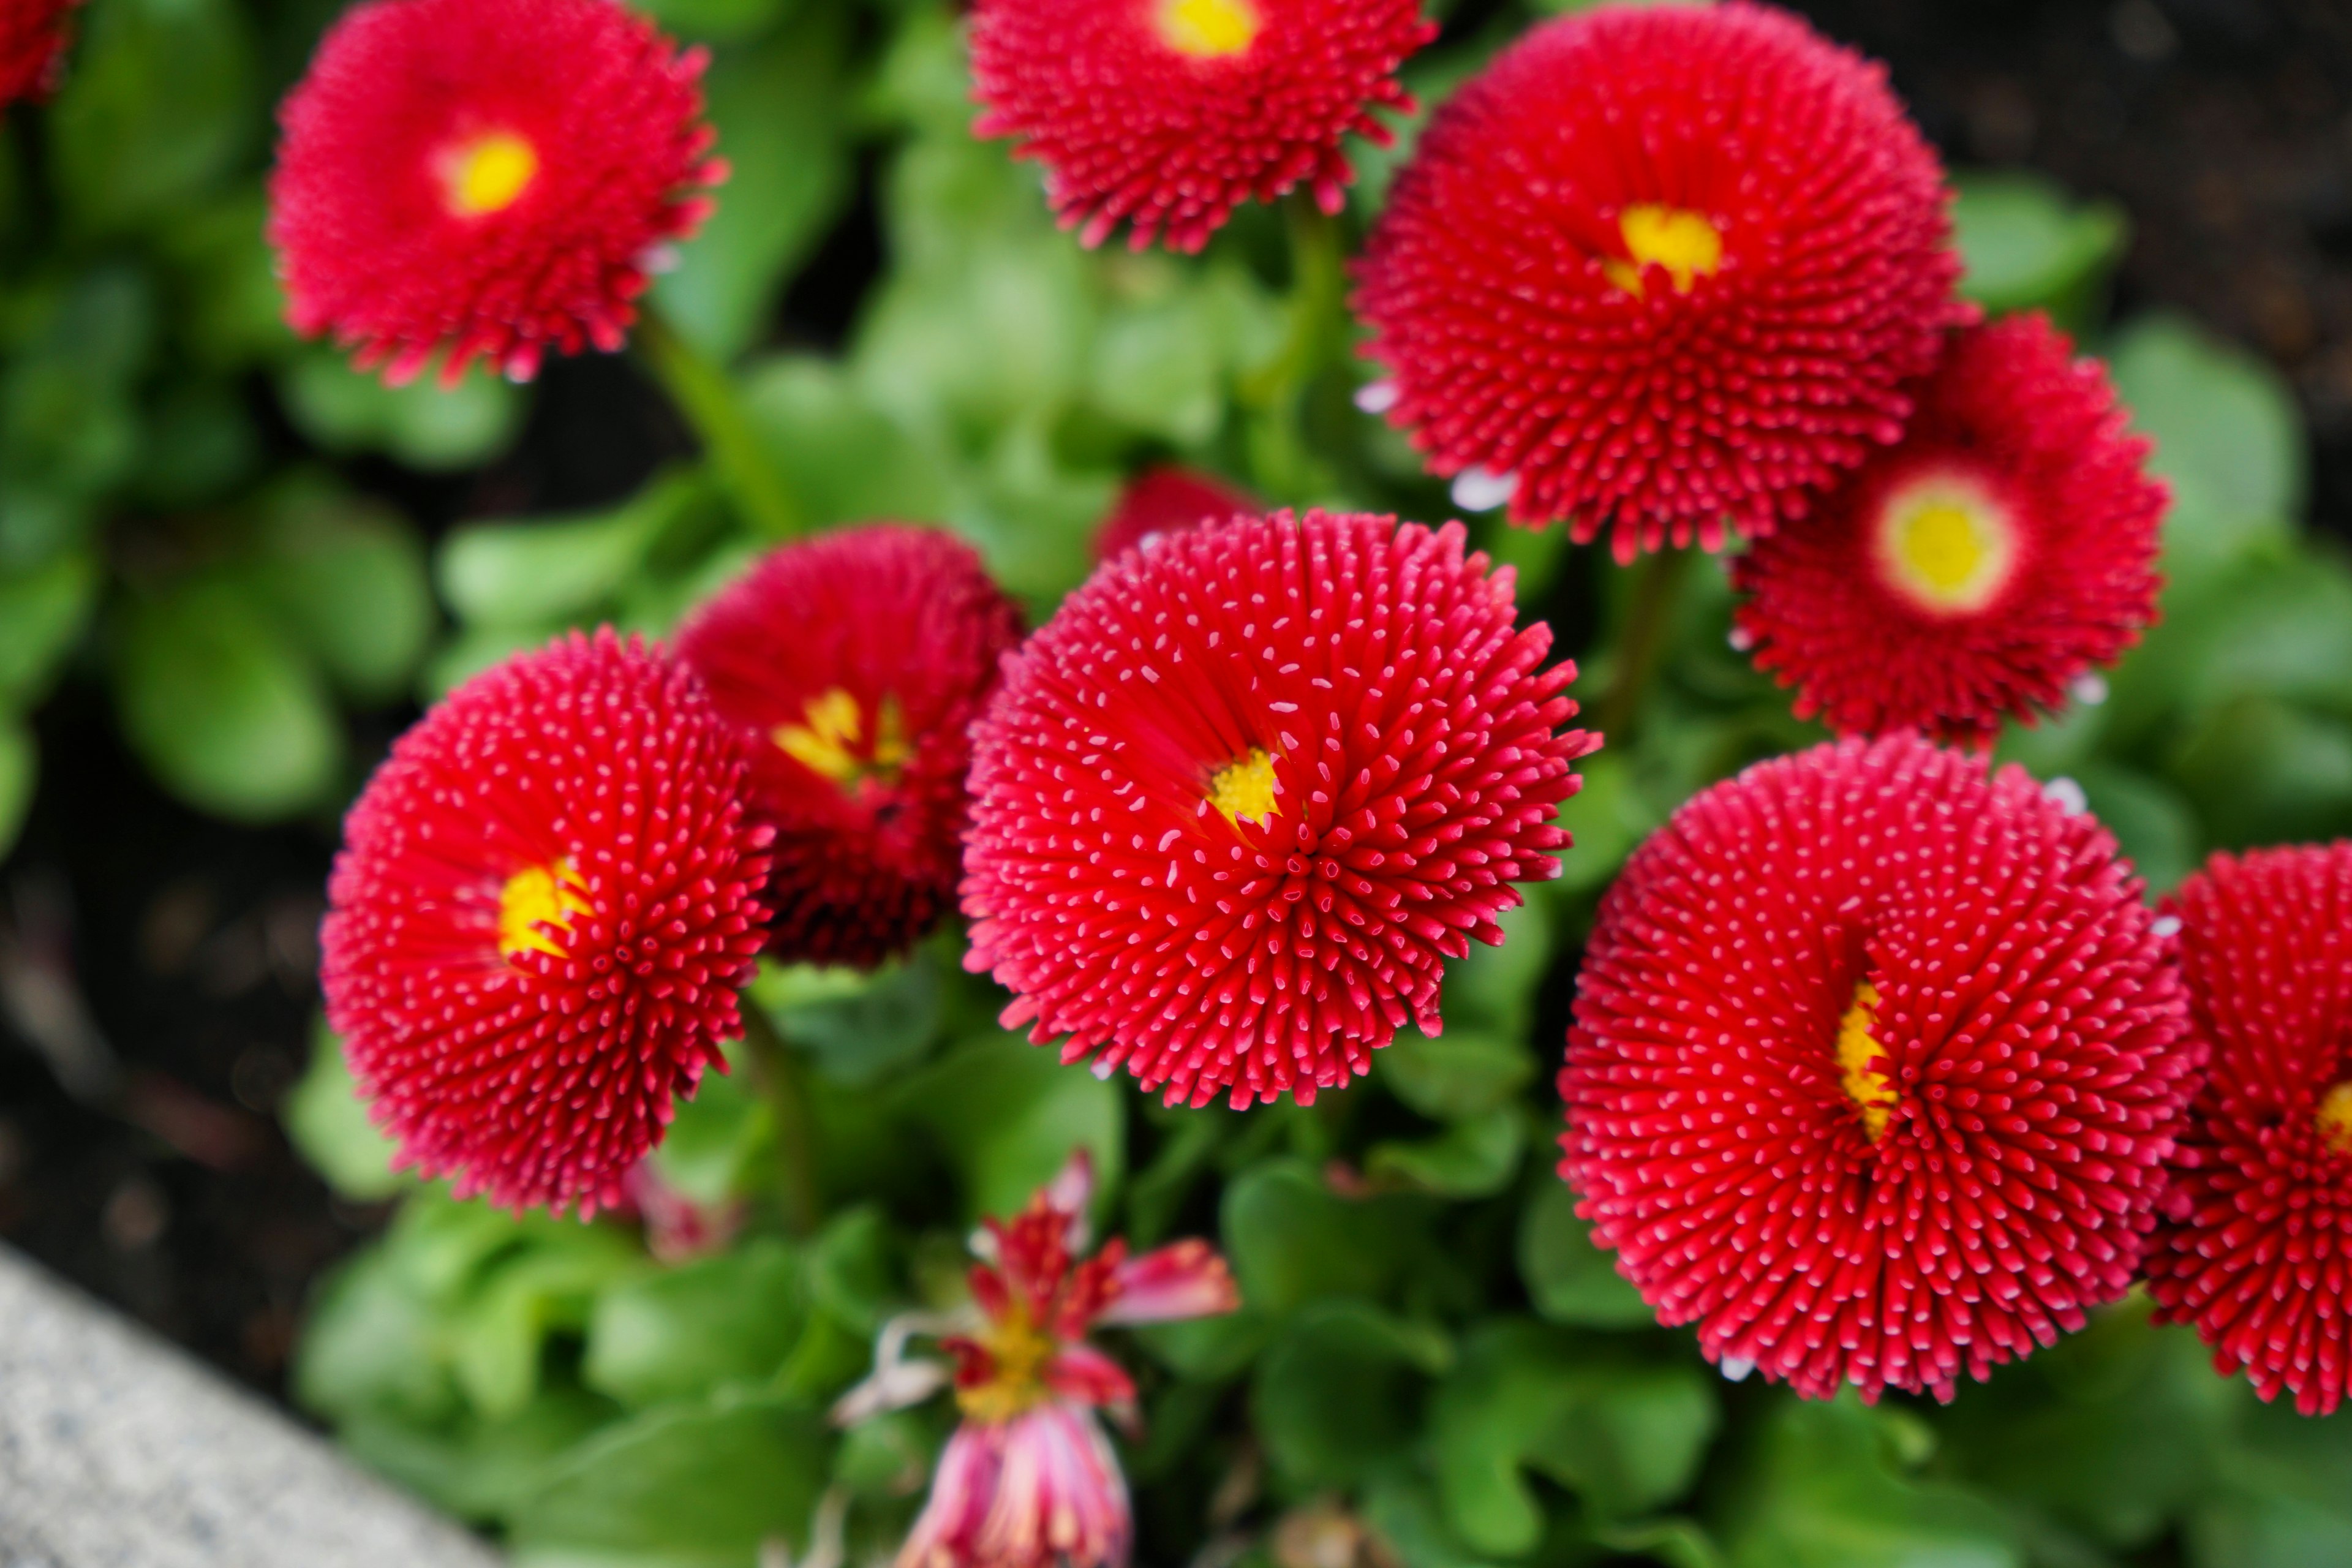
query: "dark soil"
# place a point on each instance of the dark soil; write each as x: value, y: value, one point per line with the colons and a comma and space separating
x: 161, y: 963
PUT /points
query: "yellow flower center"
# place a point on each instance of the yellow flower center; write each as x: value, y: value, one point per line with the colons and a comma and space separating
x: 1245, y: 788
x: 536, y: 900
x: 1681, y: 242
x: 831, y: 739
x: 1946, y: 546
x: 487, y: 174
x: 1872, y: 1091
x: 1020, y: 1349
x: 2336, y: 1118
x: 1209, y: 30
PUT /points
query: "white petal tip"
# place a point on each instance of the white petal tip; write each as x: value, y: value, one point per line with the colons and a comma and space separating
x: 1376, y: 397
x: 2166, y: 925
x: 2068, y: 795
x: 1736, y: 1368
x: 1475, y: 489
x: 2089, y: 688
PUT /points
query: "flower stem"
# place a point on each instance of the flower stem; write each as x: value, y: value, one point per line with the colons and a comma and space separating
x: 706, y: 396
x: 1641, y: 648
x: 782, y: 1079
x: 1318, y: 292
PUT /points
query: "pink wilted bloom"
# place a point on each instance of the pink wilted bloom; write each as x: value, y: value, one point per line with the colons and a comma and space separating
x: 1029, y: 1480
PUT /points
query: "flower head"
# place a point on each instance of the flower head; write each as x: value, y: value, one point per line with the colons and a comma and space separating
x: 547, y: 899
x: 1168, y: 500
x: 1167, y: 114
x: 1668, y: 268
x: 854, y: 664
x: 2256, y: 1245
x: 487, y: 177
x: 1877, y: 1060
x: 1028, y: 1480
x: 1237, y: 803
x: 33, y: 37
x: 2004, y: 547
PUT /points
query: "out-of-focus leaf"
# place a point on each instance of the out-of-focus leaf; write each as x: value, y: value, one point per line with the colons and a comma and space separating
x: 717, y: 1138
x: 1337, y: 1396
x: 423, y: 424
x: 715, y: 19
x: 159, y: 104
x: 2152, y: 824
x: 2027, y: 245
x: 1608, y: 815
x: 370, y: 1346
x: 2285, y: 631
x: 688, y: 1332
x: 19, y: 770
x: 226, y: 711
x: 225, y: 300
x: 535, y: 574
x: 326, y: 1120
x: 1291, y: 1239
x: 1008, y: 1115
x: 498, y: 1342
x: 201, y: 444
x: 42, y: 612
x: 2260, y: 771
x: 843, y: 459
x: 1032, y: 516
x: 1475, y: 1158
x: 2281, y: 1501
x: 350, y: 578
x: 1462, y: 1074
x: 1496, y: 987
x: 1569, y: 1279
x: 68, y: 427
x: 861, y: 1028
x: 1402, y: 1511
x: 480, y: 1469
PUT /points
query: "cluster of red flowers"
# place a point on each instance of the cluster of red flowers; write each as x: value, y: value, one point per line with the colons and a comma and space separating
x: 33, y: 38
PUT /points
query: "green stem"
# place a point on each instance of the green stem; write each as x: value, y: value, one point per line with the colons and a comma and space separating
x: 1641, y: 648
x: 781, y: 1076
x: 706, y: 396
x: 1317, y: 294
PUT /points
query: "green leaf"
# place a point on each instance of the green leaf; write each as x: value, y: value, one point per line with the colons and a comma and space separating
x: 717, y: 1139
x: 843, y: 459
x: 371, y: 1345
x: 19, y: 771
x: 1337, y: 1396
x: 1402, y: 1511
x: 539, y: 572
x: 1496, y: 987
x: 682, y: 1488
x: 690, y: 1332
x: 158, y: 104
x: 2027, y: 245
x: 1461, y: 1074
x: 2260, y: 771
x: 715, y: 19
x: 1569, y: 1279
x: 480, y: 1469
x: 1158, y: 369
x: 1608, y: 815
x: 2152, y: 824
x: 349, y: 577
x: 1291, y: 1239
x: 861, y: 1026
x: 226, y: 711
x: 332, y: 1128
x: 68, y: 427
x: 1007, y: 1115
x: 2283, y: 631
x: 42, y: 612
x: 552, y: 1285
x: 1470, y: 1158
x: 2281, y: 1497
x: 423, y: 425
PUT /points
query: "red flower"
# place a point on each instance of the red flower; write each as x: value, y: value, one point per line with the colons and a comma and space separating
x: 1237, y: 803
x: 547, y: 901
x: 2256, y: 1245
x: 33, y: 37
x: 1168, y: 500
x: 2004, y: 547
x: 854, y: 665
x: 1667, y: 267
x: 1877, y: 1060
x: 1028, y: 1480
x: 485, y: 176
x: 1166, y: 114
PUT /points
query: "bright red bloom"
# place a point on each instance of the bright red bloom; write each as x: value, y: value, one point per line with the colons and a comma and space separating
x: 854, y: 664
x: 33, y: 37
x: 547, y: 899
x: 1168, y: 500
x: 1969, y: 573
x: 1167, y: 114
x: 486, y: 177
x: 1668, y: 268
x: 2256, y: 1245
x: 1877, y: 1060
x: 1237, y: 803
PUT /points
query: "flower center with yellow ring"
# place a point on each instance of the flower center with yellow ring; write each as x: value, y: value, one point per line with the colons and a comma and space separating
x: 1018, y: 1351
x: 1860, y: 1059
x: 539, y: 901
x: 2336, y: 1118
x: 1245, y: 788
x: 1681, y: 242
x: 1209, y: 30
x: 487, y: 174
x: 1945, y: 546
x: 830, y: 740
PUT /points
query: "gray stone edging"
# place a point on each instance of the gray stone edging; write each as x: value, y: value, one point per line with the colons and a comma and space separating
x: 118, y: 1451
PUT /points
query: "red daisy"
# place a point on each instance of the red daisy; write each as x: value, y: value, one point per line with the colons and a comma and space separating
x: 1168, y: 500
x: 2256, y: 1245
x: 1877, y: 1060
x: 547, y: 899
x: 1240, y: 799
x: 854, y: 664
x: 1666, y: 269
x: 485, y: 177
x: 1968, y: 574
x: 33, y: 37
x: 1166, y: 114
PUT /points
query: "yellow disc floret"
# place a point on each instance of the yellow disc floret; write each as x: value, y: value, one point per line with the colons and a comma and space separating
x: 1018, y: 1351
x: 536, y: 901
x: 488, y: 173
x: 1245, y: 788
x: 830, y: 740
x: 1684, y: 244
x: 2336, y: 1118
x: 1858, y: 1055
x: 1209, y: 30
x: 1946, y: 545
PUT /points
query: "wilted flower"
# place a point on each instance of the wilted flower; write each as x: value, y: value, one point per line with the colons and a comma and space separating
x: 854, y: 664
x: 1666, y: 269
x: 485, y: 177
x: 32, y: 35
x: 1237, y: 803
x: 1169, y: 499
x: 1877, y: 1063
x: 547, y: 901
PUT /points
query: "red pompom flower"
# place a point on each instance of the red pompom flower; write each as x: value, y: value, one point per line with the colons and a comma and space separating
x: 1969, y: 573
x: 33, y: 37
x: 1665, y: 269
x: 1877, y: 1063
x: 547, y: 899
x: 1168, y: 500
x: 1240, y: 799
x: 2256, y: 1245
x: 1166, y: 114
x: 487, y: 177
x: 854, y: 665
